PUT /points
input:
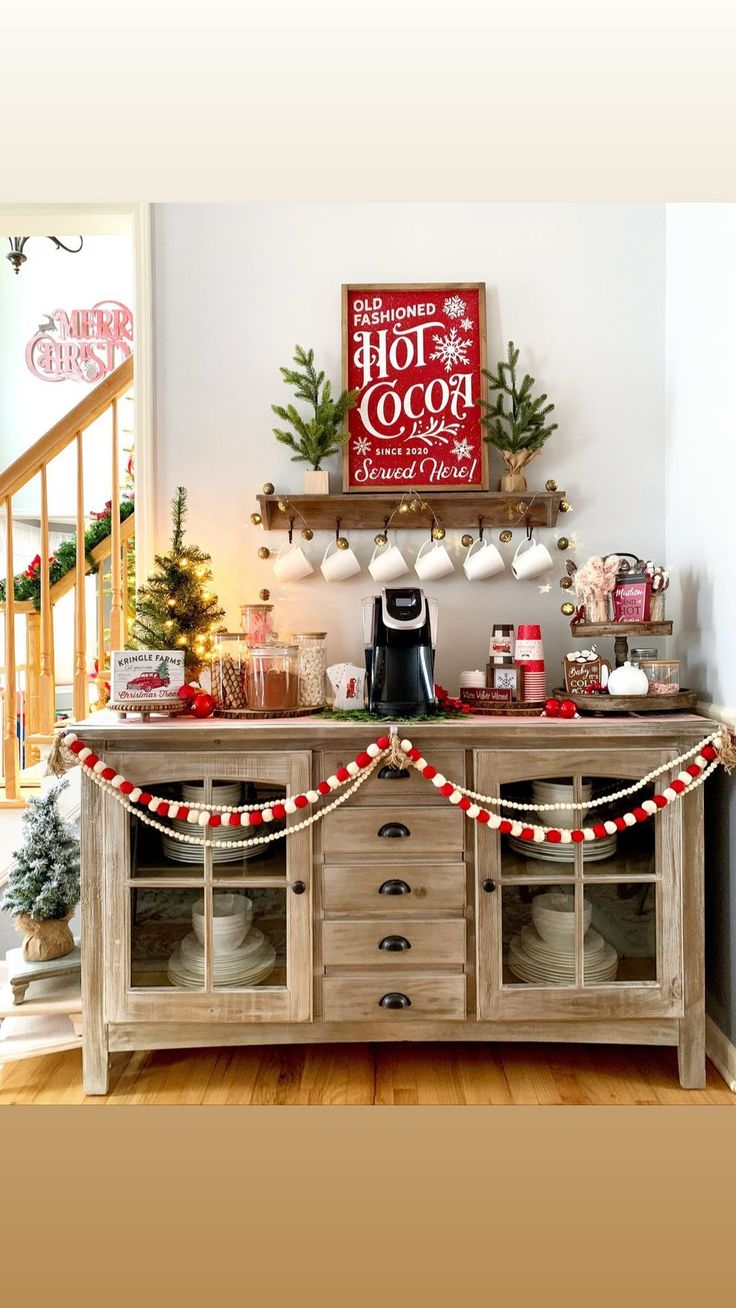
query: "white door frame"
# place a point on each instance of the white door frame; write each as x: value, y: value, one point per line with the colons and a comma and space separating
x: 114, y: 219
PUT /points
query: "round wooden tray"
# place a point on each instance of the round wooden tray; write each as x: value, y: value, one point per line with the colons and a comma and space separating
x: 166, y: 707
x: 683, y: 699
x: 268, y: 713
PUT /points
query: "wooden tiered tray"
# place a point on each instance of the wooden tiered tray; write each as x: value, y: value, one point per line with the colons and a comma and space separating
x: 621, y: 632
x: 683, y: 699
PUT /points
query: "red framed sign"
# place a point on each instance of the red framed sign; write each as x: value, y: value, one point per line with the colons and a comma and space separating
x: 415, y: 353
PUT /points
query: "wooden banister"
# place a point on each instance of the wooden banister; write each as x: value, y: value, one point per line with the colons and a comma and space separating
x: 65, y: 430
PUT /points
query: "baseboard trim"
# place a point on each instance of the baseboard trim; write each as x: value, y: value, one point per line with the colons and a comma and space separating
x: 721, y: 1053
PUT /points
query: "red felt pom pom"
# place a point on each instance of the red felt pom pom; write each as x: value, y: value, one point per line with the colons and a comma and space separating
x: 323, y: 788
x: 554, y: 837
x: 693, y: 770
x: 234, y: 819
x: 215, y: 819
x: 677, y: 786
x: 77, y: 746
x: 363, y: 760
x: 255, y: 818
x: 483, y: 816
x: 527, y: 833
x: 278, y: 811
x: 620, y: 824
x: 552, y: 708
x: 90, y: 760
x: 709, y: 752
x: 429, y: 772
x: 107, y: 774
x: 383, y: 742
x: 163, y: 807
x: 203, y: 705
x: 600, y: 830
x: 660, y: 801
x: 464, y: 804
x: 126, y: 787
x: 146, y: 797
x: 505, y: 827
x: 301, y: 801
x: 183, y: 813
x: 640, y: 814
x: 447, y: 789
x: 414, y: 753
x: 342, y: 774
x: 577, y: 836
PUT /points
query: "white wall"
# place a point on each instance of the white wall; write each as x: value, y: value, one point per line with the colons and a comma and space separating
x: 700, y: 531
x: 579, y: 287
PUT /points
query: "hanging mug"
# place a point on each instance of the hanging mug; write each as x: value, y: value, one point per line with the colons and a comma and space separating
x: 533, y: 562
x: 433, y: 561
x: 484, y: 561
x: 340, y: 564
x: 387, y: 563
x: 291, y: 563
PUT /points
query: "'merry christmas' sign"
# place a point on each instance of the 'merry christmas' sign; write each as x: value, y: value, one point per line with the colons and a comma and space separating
x: 415, y: 353
x: 82, y: 345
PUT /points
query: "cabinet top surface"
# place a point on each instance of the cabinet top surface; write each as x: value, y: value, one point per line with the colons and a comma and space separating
x: 323, y: 733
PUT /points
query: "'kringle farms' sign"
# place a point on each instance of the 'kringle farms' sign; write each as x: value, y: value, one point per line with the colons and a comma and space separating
x: 415, y: 353
x: 81, y: 345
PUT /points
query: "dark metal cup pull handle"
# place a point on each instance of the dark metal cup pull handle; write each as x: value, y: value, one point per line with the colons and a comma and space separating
x: 395, y: 944
x: 394, y: 999
x: 394, y: 831
x: 389, y: 773
x: 394, y: 887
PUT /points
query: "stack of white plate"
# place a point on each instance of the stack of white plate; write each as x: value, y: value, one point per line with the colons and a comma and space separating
x: 595, y: 851
x: 534, y: 960
x: 222, y: 837
x: 241, y: 956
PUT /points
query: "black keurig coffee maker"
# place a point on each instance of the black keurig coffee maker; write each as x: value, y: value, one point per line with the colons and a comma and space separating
x: 400, y: 631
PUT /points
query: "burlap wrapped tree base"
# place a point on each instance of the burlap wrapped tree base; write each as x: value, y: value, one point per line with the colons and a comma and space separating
x: 43, y: 941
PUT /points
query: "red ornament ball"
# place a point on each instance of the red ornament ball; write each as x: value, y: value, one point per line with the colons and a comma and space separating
x: 188, y: 693
x: 203, y: 705
x: 552, y: 708
x: 567, y: 709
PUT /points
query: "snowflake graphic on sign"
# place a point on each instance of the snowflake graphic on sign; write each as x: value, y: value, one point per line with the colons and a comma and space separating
x: 362, y: 445
x: 467, y: 324
x: 461, y: 449
x: 454, y: 306
x: 452, y: 349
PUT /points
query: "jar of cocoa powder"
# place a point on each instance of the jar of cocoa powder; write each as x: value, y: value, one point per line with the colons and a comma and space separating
x: 272, y: 677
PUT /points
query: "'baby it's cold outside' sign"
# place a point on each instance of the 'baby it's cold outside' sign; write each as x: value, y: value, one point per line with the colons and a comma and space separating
x: 415, y: 353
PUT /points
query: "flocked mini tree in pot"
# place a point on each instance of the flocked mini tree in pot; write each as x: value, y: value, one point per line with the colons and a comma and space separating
x: 43, y: 883
x: 320, y: 435
x: 515, y: 422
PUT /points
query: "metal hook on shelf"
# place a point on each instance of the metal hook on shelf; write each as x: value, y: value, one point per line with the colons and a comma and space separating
x: 337, y: 528
x: 480, y: 528
x: 529, y: 531
x: 291, y: 530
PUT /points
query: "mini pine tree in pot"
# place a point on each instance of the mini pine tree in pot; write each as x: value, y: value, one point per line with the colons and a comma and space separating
x: 321, y: 435
x: 520, y: 430
x: 43, y: 884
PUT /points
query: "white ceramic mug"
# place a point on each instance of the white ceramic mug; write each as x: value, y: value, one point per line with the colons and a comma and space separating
x: 433, y: 561
x: 387, y: 563
x: 533, y: 562
x: 339, y: 564
x: 291, y: 563
x: 483, y: 562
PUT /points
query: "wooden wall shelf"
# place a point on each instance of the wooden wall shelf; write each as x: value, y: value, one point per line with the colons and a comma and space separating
x: 369, y: 512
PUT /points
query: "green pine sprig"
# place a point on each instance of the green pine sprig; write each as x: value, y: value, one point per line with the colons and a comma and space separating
x: 316, y: 437
x: 516, y: 420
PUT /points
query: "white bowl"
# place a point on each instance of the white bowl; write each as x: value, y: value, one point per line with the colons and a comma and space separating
x: 231, y: 919
x: 553, y: 914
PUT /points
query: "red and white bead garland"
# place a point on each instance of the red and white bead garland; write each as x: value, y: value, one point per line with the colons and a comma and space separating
x: 705, y: 760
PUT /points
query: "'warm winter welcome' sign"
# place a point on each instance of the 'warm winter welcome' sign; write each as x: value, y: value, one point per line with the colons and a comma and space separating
x: 415, y: 352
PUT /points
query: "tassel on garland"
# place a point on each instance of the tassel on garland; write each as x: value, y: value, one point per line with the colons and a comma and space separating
x: 61, y: 759
x: 396, y: 758
x: 726, y: 750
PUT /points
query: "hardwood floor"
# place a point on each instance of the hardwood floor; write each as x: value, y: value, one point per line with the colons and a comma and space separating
x: 386, y: 1074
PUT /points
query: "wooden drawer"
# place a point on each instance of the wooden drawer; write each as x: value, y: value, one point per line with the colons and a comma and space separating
x: 450, y: 762
x: 420, y: 887
x: 415, y: 943
x: 353, y: 833
x: 357, y: 999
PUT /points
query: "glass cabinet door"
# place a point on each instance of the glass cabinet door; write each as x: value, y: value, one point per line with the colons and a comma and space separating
x: 590, y: 928
x: 221, y: 932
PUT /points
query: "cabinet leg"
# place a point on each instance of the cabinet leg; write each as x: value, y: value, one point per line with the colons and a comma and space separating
x: 691, y: 1049
x: 95, y: 1069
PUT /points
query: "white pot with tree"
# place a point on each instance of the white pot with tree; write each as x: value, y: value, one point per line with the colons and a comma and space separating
x: 320, y: 435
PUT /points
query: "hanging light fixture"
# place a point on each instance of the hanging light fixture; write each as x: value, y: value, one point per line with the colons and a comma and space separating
x: 17, y: 243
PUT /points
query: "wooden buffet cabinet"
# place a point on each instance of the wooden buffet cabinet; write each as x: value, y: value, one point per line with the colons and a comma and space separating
x: 392, y: 917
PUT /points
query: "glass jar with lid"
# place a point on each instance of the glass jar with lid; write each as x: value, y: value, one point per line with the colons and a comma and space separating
x: 256, y: 622
x: 229, y: 668
x: 312, y: 665
x: 272, y: 680
x: 663, y: 675
x: 640, y: 652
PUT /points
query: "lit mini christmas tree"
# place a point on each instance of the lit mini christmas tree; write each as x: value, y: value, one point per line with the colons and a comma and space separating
x: 175, y: 609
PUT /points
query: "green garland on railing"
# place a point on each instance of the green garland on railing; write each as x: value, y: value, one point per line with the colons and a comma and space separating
x: 64, y: 560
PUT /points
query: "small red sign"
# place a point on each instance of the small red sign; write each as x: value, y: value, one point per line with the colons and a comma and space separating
x: 631, y: 601
x: 415, y: 353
